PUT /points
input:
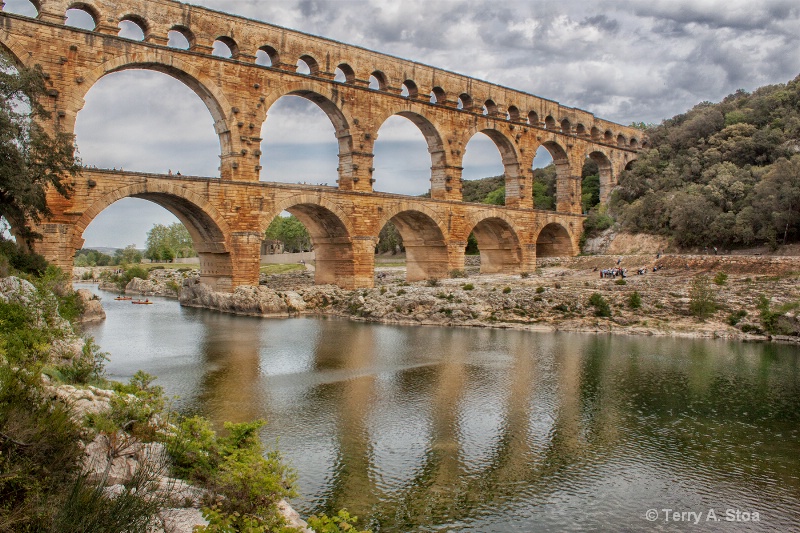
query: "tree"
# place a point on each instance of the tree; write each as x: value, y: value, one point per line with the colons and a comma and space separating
x: 389, y: 240
x: 165, y: 243
x: 128, y: 255
x: 291, y: 232
x: 31, y: 159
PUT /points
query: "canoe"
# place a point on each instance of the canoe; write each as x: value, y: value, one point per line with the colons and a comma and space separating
x: 123, y: 298
x: 142, y: 302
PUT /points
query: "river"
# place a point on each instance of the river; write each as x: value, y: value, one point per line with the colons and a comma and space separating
x: 488, y: 430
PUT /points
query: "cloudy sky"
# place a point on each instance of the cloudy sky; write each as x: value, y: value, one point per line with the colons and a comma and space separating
x: 626, y: 61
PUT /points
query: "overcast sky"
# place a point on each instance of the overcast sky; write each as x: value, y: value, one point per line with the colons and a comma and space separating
x: 626, y: 61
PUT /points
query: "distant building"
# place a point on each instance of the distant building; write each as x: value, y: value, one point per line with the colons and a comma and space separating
x: 271, y: 247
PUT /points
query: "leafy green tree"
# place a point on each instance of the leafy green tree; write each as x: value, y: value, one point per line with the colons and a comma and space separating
x: 32, y: 159
x: 291, y: 232
x: 127, y: 256
x: 165, y: 243
x: 389, y: 240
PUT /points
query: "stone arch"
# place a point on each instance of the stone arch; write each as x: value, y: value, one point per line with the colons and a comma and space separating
x: 37, y: 5
x: 634, y: 143
x: 231, y: 44
x: 580, y: 130
x: 16, y: 50
x: 411, y: 88
x: 606, y: 171
x: 187, y: 33
x: 513, y: 113
x: 433, y: 138
x: 498, y: 243
x: 508, y: 155
x: 423, y: 236
x: 566, y: 127
x: 533, y: 119
x: 564, y: 193
x: 348, y: 73
x: 438, y: 96
x: 90, y: 9
x: 311, y: 63
x: 138, y: 20
x: 596, y: 134
x: 549, y: 122
x: 339, y: 118
x: 272, y: 54
x: 167, y: 63
x: 209, y: 230
x: 466, y: 102
x: 554, y: 240
x: 331, y: 236
x: 621, y: 141
x: 381, y: 80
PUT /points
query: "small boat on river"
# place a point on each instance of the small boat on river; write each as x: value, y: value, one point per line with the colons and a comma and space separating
x: 142, y: 302
x: 124, y: 298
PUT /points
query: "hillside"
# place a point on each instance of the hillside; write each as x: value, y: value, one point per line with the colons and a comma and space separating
x: 724, y: 174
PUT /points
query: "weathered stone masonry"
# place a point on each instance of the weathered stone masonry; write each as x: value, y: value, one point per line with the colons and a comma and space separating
x: 227, y: 216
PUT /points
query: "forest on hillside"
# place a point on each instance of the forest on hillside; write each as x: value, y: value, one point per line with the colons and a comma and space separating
x: 724, y: 174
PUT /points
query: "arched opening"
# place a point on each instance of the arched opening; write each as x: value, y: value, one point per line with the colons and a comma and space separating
x: 465, y: 102
x: 544, y: 180
x: 566, y: 127
x: 513, y: 114
x: 629, y: 165
x: 549, y: 123
x: 378, y: 81
x: 132, y: 27
x: 596, y: 134
x: 597, y: 180
x: 180, y: 37
x: 580, y: 130
x: 299, y: 141
x: 533, y: 119
x: 499, y: 246
x: 621, y: 141
x: 150, y: 121
x: 422, y: 241
x: 554, y: 241
x: 307, y: 65
x: 225, y: 47
x: 490, y: 108
x: 266, y: 56
x: 645, y: 144
x: 131, y: 223
x: 634, y: 143
x: 405, y: 151
x: 330, y: 241
x: 409, y: 89
x: 81, y: 16
x: 22, y: 7
x: 344, y: 74
x: 484, y: 173
x: 608, y: 137
x: 438, y: 96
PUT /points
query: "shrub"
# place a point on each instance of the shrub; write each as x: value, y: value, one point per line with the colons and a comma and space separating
x: 635, y: 300
x: 620, y: 282
x: 506, y: 290
x: 702, y: 303
x: 601, y: 307
x: 735, y: 318
x: 342, y: 522
x: 401, y: 292
x: 433, y: 282
x: 539, y: 289
x: 721, y: 278
x: 468, y: 286
x: 456, y: 273
x: 524, y: 275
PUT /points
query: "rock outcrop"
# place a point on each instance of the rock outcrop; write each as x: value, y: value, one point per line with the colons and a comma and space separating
x: 92, y: 308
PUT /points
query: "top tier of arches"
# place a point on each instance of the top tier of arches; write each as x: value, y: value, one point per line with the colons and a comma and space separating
x: 201, y: 30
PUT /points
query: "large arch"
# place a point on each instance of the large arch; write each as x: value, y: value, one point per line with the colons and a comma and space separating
x: 564, y: 194
x: 508, y: 156
x: 424, y: 240
x: 209, y: 231
x: 606, y: 170
x: 168, y: 63
x: 435, y: 147
x: 339, y: 118
x: 498, y: 243
x: 554, y: 240
x: 331, y: 236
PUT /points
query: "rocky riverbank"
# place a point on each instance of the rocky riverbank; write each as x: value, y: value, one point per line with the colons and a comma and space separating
x: 556, y: 297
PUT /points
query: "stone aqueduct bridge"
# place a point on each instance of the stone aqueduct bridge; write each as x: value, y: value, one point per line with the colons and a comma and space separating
x: 227, y: 216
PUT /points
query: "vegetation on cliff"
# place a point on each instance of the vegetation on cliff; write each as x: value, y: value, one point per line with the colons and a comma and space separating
x: 725, y: 174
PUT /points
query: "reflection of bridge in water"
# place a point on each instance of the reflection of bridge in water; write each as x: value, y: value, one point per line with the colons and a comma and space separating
x: 358, y: 90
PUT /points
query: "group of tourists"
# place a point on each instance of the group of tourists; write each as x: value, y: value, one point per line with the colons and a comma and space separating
x: 612, y: 273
